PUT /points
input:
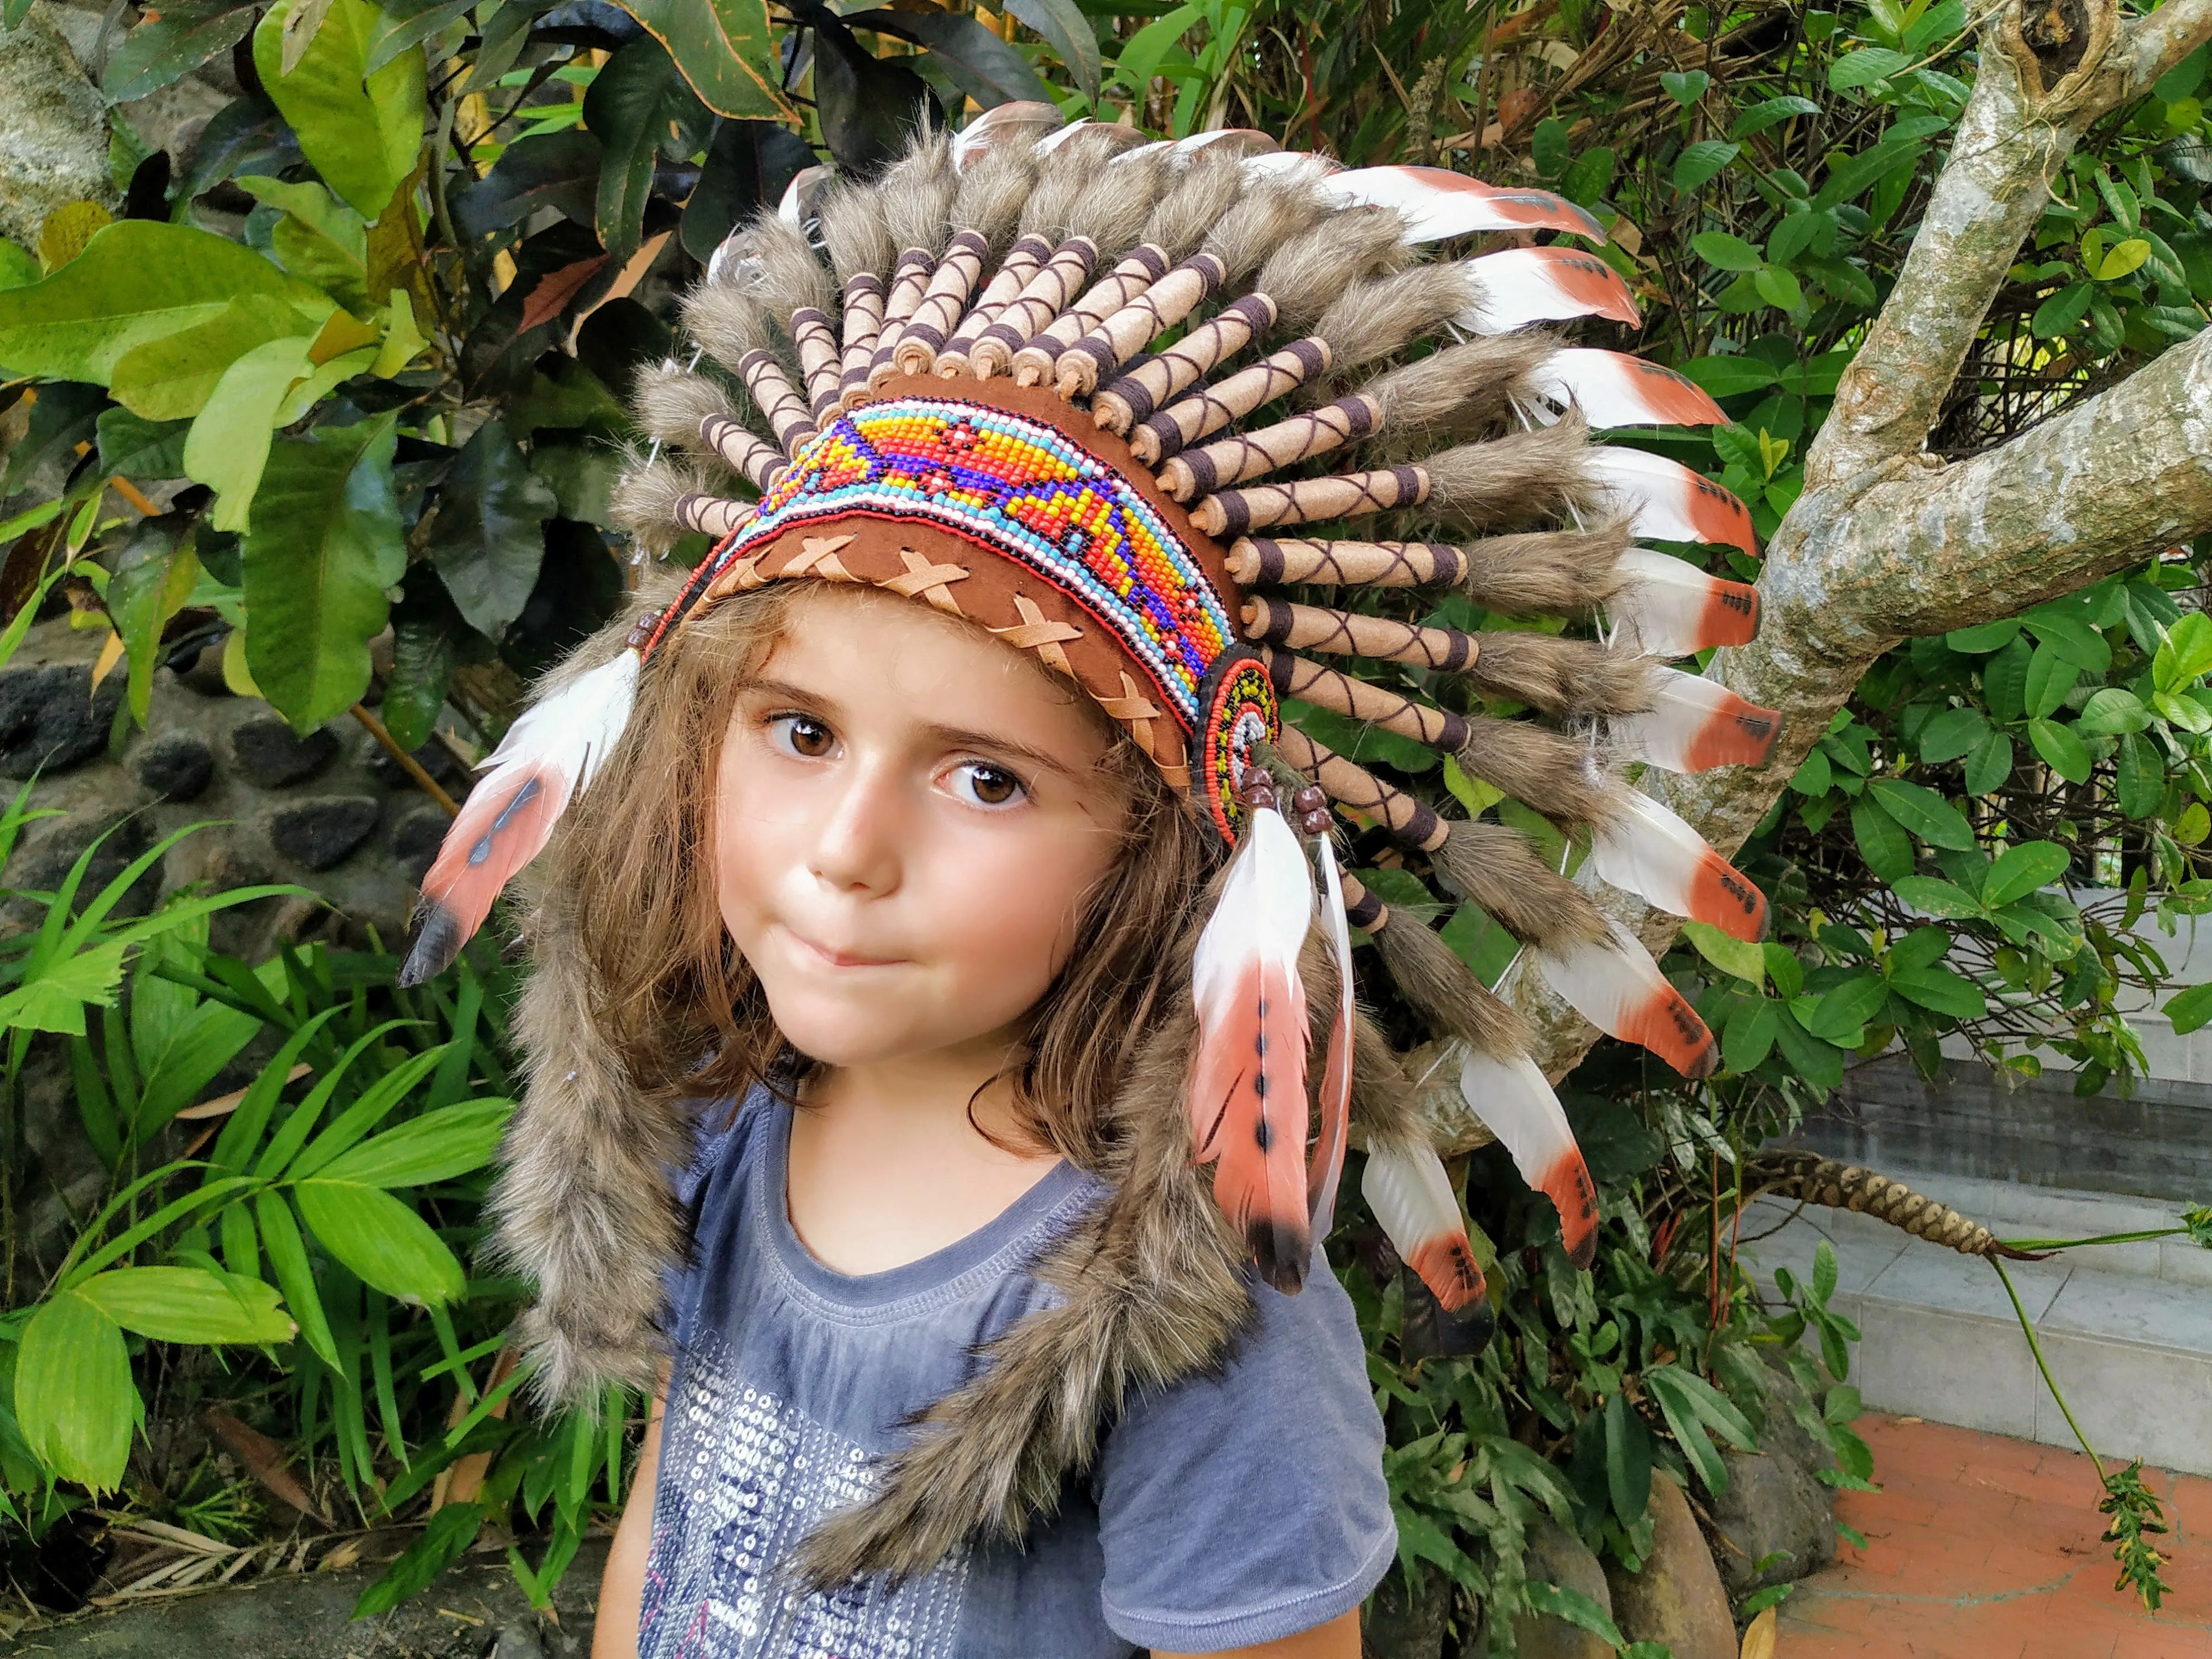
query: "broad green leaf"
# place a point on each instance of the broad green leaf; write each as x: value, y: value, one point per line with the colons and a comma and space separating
x: 1548, y: 148
x: 2051, y: 676
x: 1740, y: 958
x: 319, y: 239
x: 55, y: 998
x: 2140, y: 780
x: 152, y: 577
x: 227, y: 448
x: 74, y: 1401
x: 2111, y: 711
x: 1924, y: 812
x: 1727, y: 377
x: 2062, y: 752
x: 1772, y: 112
x: 1941, y: 989
x: 2191, y: 1010
x: 1685, y: 87
x: 1846, y: 1007
x: 1778, y: 287
x: 2019, y: 871
x: 1573, y: 1607
x: 725, y: 50
x: 2184, y: 658
x: 18, y: 268
x: 2004, y: 681
x: 1986, y: 638
x: 2183, y: 709
x: 2125, y: 259
x: 1074, y: 41
x: 1749, y: 1036
x: 436, y: 1146
x: 324, y: 545
x: 169, y: 45
x: 1990, y: 765
x: 1820, y: 1064
x: 375, y: 1103
x: 489, y: 538
x: 362, y: 132
x: 1851, y: 177
x: 1627, y: 1461
x: 1882, y: 843
x: 1951, y: 733
x: 141, y: 449
x: 2063, y: 312
x: 1865, y: 67
x: 633, y: 105
x: 188, y: 1304
x: 1920, y: 947
x: 1936, y: 897
x: 381, y: 1240
x: 989, y: 70
x: 1798, y: 231
x: 1698, y: 163
x: 137, y: 280
x: 1719, y: 249
x: 1813, y: 775
x: 173, y: 378
x: 2064, y: 628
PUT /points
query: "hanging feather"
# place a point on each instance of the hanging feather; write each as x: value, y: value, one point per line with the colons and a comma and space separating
x: 1525, y: 285
x: 1614, y: 389
x: 1645, y: 849
x: 1327, y: 1166
x: 1614, y: 983
x: 1248, y: 1084
x: 1513, y: 1098
x: 1405, y: 1186
x: 1695, y: 725
x: 1438, y: 203
x: 1668, y: 607
x: 546, y: 757
x: 1670, y: 501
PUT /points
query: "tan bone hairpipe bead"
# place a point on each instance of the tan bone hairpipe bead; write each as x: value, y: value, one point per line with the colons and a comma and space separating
x: 1137, y: 271
x: 1411, y: 821
x: 1023, y: 261
x: 788, y: 414
x: 1137, y: 324
x: 1262, y: 561
x: 942, y: 302
x: 1041, y: 299
x: 1158, y: 379
x: 819, y: 362
x: 1211, y: 408
x: 742, y: 452
x: 1309, y: 500
x: 1375, y: 705
x: 1255, y: 454
x: 1311, y: 627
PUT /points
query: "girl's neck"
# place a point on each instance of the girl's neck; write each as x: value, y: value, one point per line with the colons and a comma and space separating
x: 895, y: 1160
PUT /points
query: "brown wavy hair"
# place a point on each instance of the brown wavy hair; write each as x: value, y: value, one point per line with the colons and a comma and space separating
x: 678, y: 1006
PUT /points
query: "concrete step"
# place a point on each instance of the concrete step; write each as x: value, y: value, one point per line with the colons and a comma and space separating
x: 2127, y: 1329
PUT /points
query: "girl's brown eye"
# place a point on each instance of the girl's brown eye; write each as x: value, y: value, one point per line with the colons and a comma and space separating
x: 983, y: 784
x: 804, y: 735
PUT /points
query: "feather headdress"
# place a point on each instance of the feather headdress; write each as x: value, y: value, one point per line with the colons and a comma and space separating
x: 1165, y: 415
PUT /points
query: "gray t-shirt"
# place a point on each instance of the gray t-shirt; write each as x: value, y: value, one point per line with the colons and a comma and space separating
x: 1223, y: 1511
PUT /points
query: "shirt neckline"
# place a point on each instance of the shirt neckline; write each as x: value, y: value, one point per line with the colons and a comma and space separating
x: 984, y: 1255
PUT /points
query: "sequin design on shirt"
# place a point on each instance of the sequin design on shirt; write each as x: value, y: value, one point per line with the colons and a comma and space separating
x: 744, y: 1477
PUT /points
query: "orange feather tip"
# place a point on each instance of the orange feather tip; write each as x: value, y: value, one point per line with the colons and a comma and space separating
x: 1567, y: 1183
x: 1614, y: 389
x: 1445, y: 1262
x: 1666, y: 1023
x: 1524, y: 285
x: 1731, y: 615
x: 1740, y: 736
x: 1722, y: 897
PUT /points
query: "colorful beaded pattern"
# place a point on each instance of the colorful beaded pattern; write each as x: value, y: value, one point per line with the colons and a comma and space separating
x: 1020, y: 488
x: 1240, y: 710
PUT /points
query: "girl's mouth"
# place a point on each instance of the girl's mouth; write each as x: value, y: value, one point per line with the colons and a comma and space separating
x: 839, y: 958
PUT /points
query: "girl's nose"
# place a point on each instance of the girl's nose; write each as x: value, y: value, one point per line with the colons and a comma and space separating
x: 857, y: 837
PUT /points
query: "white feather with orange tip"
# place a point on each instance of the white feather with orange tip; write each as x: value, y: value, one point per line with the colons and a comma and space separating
x: 1614, y: 984
x: 1525, y: 285
x: 1694, y: 724
x: 558, y: 746
x: 1669, y: 501
x: 1405, y: 1186
x: 1670, y: 608
x: 1248, y: 1080
x: 1438, y: 203
x: 1646, y: 850
x: 1513, y: 1098
x: 1612, y: 388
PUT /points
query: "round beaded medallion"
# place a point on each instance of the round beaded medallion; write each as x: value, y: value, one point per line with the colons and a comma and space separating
x: 1238, y: 708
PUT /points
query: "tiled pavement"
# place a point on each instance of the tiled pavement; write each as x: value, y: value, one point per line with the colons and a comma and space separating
x: 1979, y: 1547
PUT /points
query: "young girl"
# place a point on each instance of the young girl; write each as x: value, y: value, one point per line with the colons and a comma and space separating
x: 925, y: 980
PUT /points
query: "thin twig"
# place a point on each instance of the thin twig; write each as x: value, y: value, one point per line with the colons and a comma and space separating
x: 408, y: 764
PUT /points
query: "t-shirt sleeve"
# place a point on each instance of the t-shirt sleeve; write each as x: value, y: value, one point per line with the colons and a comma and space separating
x: 717, y: 1140
x: 1248, y: 1507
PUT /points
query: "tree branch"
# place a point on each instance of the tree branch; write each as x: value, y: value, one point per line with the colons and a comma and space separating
x: 2033, y: 98
x: 1919, y: 549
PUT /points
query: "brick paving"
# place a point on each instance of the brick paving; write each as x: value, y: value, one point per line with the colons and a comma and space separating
x: 1979, y: 1547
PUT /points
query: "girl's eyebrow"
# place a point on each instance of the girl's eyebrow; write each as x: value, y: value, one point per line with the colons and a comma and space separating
x: 948, y: 737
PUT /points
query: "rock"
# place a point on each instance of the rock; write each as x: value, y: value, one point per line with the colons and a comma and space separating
x: 177, y: 767
x: 1776, y: 1503
x: 1402, y: 1622
x: 203, y: 673
x: 44, y: 865
x: 1677, y: 1599
x: 273, y: 754
x: 517, y: 1641
x: 416, y: 838
x: 53, y: 720
x: 53, y: 145
x: 322, y: 831
x: 1556, y: 1556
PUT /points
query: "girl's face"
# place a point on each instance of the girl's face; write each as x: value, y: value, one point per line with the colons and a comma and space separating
x: 909, y: 817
